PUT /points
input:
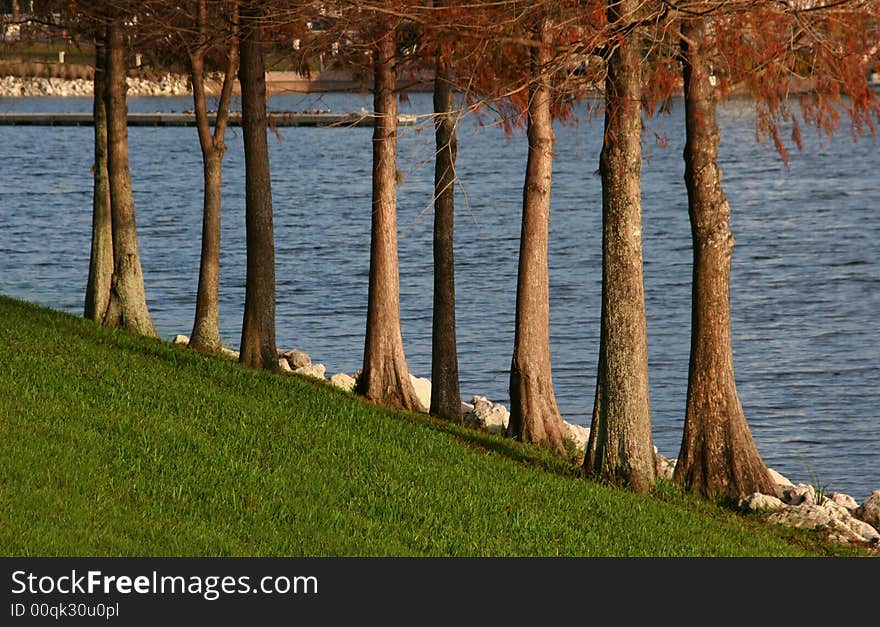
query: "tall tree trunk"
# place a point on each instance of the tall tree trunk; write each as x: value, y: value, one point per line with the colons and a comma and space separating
x: 718, y: 456
x: 206, y: 326
x: 534, y: 415
x: 445, y: 391
x: 128, y: 303
x: 620, y: 447
x: 258, y: 348
x: 101, y: 259
x: 385, y: 376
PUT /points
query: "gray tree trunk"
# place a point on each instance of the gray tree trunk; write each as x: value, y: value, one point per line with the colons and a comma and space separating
x: 718, y: 457
x: 258, y: 348
x: 620, y: 448
x: 385, y: 375
x: 206, y: 326
x: 534, y: 415
x: 101, y: 260
x: 128, y: 303
x: 445, y: 391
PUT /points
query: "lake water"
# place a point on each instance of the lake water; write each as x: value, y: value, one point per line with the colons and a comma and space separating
x: 805, y: 282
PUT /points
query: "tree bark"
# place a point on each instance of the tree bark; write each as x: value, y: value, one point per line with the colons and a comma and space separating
x: 385, y: 375
x: 206, y: 326
x: 718, y: 457
x: 620, y: 447
x: 534, y: 415
x: 445, y: 391
x: 127, y: 307
x: 258, y: 348
x: 101, y: 260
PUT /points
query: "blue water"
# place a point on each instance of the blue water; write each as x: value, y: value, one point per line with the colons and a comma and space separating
x: 805, y: 281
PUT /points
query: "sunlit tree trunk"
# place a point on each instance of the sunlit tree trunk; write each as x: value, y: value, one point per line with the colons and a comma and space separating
x: 445, y: 392
x: 101, y: 259
x: 534, y: 415
x: 258, y: 348
x: 620, y: 447
x: 206, y: 327
x: 385, y: 376
x: 128, y: 304
x: 718, y: 456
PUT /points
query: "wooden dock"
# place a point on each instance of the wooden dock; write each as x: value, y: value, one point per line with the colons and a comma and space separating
x: 276, y: 119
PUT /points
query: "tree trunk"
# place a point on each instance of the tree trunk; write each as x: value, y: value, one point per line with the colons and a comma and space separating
x: 620, y: 447
x: 445, y: 392
x: 206, y: 327
x: 101, y: 260
x: 128, y: 303
x: 385, y: 376
x: 534, y: 415
x: 718, y: 456
x: 258, y: 348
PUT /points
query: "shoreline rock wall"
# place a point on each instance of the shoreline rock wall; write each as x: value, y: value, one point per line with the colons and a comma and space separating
x: 14, y: 86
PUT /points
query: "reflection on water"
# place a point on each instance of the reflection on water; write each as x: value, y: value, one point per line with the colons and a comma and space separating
x: 805, y: 285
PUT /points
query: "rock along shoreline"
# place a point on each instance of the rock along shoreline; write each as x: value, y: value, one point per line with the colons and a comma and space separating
x: 179, y: 85
x: 14, y: 86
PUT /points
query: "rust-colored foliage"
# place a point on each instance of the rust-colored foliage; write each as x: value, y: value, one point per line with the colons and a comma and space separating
x: 805, y: 65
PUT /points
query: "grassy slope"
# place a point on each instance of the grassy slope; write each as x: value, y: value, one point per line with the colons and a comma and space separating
x: 115, y: 445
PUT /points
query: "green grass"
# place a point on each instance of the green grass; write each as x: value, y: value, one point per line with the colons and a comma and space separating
x: 117, y: 445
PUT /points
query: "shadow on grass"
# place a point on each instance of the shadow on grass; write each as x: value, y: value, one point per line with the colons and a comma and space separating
x: 541, y: 457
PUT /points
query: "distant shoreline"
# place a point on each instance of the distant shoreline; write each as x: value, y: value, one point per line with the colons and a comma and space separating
x: 80, y: 85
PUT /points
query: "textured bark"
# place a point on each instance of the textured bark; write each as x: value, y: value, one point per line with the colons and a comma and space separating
x: 534, y: 415
x: 206, y: 326
x: 258, y: 348
x: 445, y: 391
x: 718, y: 456
x: 620, y: 448
x: 101, y: 260
x: 385, y: 376
x: 127, y: 307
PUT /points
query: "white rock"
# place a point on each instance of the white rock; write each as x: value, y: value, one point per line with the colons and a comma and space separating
x: 844, y: 500
x: 284, y: 365
x: 423, y: 390
x: 578, y: 434
x: 803, y: 517
x: 869, y: 511
x: 343, y: 381
x: 298, y: 358
x: 779, y: 479
x: 837, y: 511
x: 801, y: 493
x: 316, y: 371
x: 169, y: 85
x: 843, y: 533
x: 832, y: 517
x: 664, y: 466
x: 866, y: 531
x: 758, y: 502
x: 488, y: 415
x: 181, y: 339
